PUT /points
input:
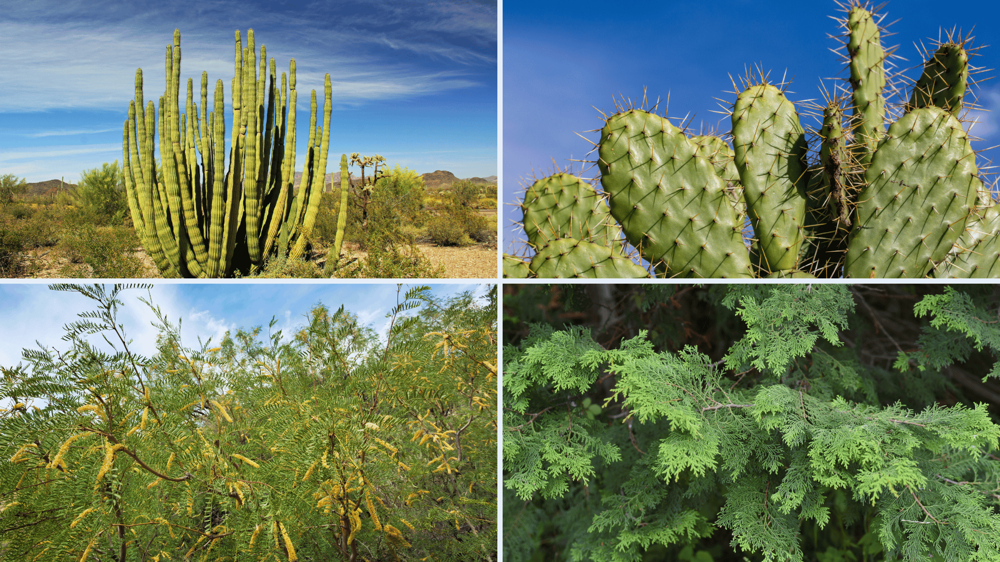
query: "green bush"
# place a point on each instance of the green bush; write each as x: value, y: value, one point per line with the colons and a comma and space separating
x: 110, y: 251
x: 251, y: 448
x: 11, y: 187
x: 11, y: 246
x: 387, y: 261
x: 754, y: 422
x: 447, y: 230
x: 101, y: 194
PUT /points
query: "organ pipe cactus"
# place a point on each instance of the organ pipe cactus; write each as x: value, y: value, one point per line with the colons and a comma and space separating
x: 212, y: 219
x: 866, y: 201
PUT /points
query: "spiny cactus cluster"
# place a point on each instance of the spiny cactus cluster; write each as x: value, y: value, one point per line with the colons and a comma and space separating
x: 207, y: 219
x: 864, y: 202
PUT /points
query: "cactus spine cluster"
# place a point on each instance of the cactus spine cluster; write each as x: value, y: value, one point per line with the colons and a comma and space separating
x: 866, y: 202
x: 209, y: 219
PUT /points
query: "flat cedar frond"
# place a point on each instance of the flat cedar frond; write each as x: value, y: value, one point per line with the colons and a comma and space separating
x: 791, y: 435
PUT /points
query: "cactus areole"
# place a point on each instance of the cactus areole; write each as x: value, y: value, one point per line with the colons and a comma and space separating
x: 206, y: 217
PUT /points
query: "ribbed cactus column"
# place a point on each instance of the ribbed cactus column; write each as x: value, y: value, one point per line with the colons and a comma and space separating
x: 345, y: 183
x: 214, y: 219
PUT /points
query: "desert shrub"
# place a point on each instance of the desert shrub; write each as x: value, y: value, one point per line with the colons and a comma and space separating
x: 389, y: 260
x: 11, y: 187
x: 253, y: 447
x: 11, y: 246
x: 19, y: 211
x: 464, y: 193
x: 101, y: 194
x: 110, y: 251
x: 751, y: 422
x: 283, y: 267
x: 448, y: 230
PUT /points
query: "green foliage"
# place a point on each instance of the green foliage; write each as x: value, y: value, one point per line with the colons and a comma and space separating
x: 458, y: 223
x: 109, y: 251
x: 330, y: 443
x: 101, y: 193
x: 11, y: 187
x: 764, y: 413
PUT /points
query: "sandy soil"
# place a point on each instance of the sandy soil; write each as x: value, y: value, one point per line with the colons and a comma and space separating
x: 466, y: 263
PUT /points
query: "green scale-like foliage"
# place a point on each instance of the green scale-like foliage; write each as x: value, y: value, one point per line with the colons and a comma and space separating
x: 215, y: 219
x: 690, y: 449
x: 668, y: 198
x: 864, y: 203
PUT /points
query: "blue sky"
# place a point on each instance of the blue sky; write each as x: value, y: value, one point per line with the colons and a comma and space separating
x: 564, y: 59
x: 413, y: 81
x: 34, y: 313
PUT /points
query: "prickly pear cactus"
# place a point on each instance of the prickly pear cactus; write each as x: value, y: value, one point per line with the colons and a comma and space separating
x: 922, y: 183
x: 565, y: 206
x: 944, y: 80
x: 515, y: 268
x: 977, y: 252
x: 669, y: 199
x: 770, y: 154
x: 572, y: 258
x: 907, y: 202
x: 866, y: 62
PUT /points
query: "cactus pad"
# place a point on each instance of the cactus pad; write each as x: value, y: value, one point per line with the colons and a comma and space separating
x: 770, y: 148
x: 565, y: 206
x: 669, y: 200
x: 572, y: 258
x: 922, y: 182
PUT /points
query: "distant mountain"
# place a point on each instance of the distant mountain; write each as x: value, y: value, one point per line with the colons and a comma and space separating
x: 443, y: 179
x: 440, y: 179
x: 48, y: 188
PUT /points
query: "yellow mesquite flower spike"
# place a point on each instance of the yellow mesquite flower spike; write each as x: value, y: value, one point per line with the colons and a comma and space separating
x: 154, y: 483
x: 386, y: 445
x: 323, y: 459
x: 355, y: 526
x: 395, y: 537
x: 417, y: 435
x: 288, y: 544
x: 81, y: 516
x: 222, y: 410
x: 310, y: 471
x: 64, y: 449
x: 407, y: 523
x: 145, y: 411
x: 246, y: 460
x: 86, y: 552
x: 17, y: 455
x: 371, y: 511
x: 253, y: 537
x: 109, y: 458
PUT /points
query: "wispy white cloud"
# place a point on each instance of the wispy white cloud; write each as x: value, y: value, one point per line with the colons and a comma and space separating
x: 90, y: 60
x: 70, y: 133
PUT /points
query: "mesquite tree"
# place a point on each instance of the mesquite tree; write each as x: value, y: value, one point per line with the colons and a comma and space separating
x: 751, y: 422
x: 334, y: 444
